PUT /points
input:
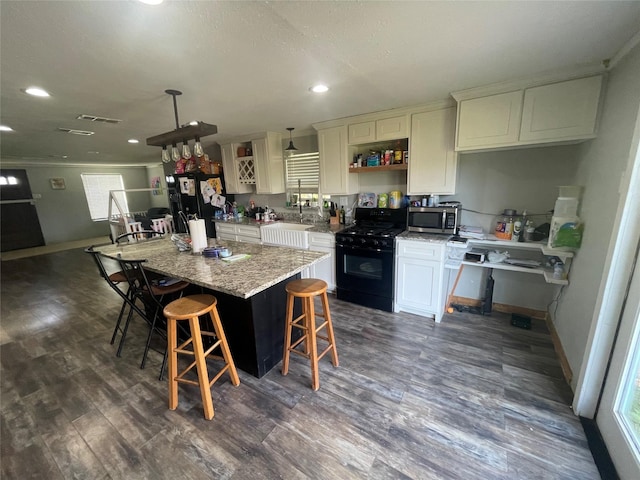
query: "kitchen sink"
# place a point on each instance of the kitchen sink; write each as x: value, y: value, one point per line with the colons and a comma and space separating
x: 292, y: 235
x: 288, y: 226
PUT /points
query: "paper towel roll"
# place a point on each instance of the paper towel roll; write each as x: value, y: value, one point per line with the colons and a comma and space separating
x: 198, y: 232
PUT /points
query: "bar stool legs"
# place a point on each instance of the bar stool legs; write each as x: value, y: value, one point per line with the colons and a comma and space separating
x: 307, y: 289
x: 190, y: 308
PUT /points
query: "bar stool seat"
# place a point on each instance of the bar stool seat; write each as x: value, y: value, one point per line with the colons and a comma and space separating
x: 307, y: 289
x: 191, y: 308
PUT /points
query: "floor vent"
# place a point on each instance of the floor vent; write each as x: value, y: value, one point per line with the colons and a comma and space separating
x: 94, y: 118
x: 76, y: 132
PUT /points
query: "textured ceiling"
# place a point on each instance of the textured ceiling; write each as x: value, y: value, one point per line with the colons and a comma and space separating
x: 247, y: 66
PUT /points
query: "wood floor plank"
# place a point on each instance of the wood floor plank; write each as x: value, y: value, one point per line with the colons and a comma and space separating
x: 469, y: 398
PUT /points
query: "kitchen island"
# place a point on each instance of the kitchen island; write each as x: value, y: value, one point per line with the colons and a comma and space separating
x: 251, y: 292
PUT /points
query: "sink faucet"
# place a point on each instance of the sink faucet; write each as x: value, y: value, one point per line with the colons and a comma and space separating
x: 300, y: 199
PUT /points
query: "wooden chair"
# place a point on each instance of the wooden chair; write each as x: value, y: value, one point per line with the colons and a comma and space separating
x: 191, y: 308
x: 307, y: 289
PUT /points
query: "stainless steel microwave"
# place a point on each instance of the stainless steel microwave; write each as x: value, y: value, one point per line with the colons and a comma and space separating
x: 433, y: 219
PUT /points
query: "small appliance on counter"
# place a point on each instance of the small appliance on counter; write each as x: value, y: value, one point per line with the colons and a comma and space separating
x: 441, y: 219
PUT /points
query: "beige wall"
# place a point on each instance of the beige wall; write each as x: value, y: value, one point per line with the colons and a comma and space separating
x: 602, y: 162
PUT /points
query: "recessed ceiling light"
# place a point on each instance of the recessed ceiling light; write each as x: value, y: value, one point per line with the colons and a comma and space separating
x: 5, y: 128
x: 132, y: 140
x: 36, y: 92
x: 151, y: 2
x: 319, y: 88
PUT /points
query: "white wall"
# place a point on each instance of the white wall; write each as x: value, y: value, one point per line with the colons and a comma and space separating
x: 525, y: 179
x: 603, y: 161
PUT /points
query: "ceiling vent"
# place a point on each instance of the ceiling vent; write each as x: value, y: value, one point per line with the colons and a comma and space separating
x: 94, y: 118
x: 76, y: 132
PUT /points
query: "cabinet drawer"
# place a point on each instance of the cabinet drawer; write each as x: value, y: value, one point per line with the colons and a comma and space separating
x: 321, y: 240
x: 247, y: 231
x: 421, y: 250
x: 225, y: 228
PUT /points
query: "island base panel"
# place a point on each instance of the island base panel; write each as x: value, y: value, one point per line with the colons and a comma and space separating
x: 255, y: 327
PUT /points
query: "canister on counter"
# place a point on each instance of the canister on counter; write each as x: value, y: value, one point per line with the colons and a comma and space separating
x: 383, y: 200
x: 395, y: 199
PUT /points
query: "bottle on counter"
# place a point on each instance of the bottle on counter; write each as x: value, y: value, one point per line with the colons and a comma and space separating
x: 342, y: 216
x: 508, y: 229
x: 425, y: 201
x: 517, y: 230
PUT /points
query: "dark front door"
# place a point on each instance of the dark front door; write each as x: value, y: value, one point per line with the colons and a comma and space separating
x: 19, y: 224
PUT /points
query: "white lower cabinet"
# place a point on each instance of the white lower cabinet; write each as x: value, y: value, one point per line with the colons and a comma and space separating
x: 238, y: 233
x: 325, y: 269
x: 420, y: 278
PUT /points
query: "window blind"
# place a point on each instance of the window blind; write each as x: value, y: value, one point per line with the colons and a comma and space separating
x: 97, y: 187
x: 306, y: 168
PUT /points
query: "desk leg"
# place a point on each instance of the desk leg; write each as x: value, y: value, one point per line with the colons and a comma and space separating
x: 449, y: 308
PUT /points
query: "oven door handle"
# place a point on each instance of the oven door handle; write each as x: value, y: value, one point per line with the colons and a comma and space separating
x: 363, y: 249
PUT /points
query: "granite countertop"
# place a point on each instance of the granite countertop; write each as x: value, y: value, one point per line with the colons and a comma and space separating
x: 317, y: 227
x: 424, y: 237
x: 267, y: 266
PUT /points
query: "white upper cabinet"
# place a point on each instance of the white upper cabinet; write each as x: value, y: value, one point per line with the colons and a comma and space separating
x: 492, y: 120
x: 231, y: 168
x: 379, y: 130
x: 564, y: 111
x: 433, y: 165
x: 269, y: 163
x: 334, y: 162
x: 264, y: 167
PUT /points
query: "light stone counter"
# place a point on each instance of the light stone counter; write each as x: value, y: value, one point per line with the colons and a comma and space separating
x: 267, y: 266
x: 318, y: 227
x: 424, y: 237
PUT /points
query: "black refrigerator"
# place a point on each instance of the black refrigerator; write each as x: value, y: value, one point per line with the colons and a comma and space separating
x: 196, y: 194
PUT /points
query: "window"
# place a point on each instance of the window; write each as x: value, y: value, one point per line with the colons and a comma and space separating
x: 304, y: 167
x: 97, y: 187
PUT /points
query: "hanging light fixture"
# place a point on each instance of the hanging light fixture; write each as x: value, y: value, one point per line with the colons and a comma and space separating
x: 175, y: 153
x: 290, y: 148
x: 192, y: 131
x: 166, y: 158
x: 197, y: 148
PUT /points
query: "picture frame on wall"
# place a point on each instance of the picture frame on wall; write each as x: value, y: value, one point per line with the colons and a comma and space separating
x: 57, y: 183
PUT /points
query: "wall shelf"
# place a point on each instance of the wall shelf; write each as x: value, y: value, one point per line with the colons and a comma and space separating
x: 381, y: 168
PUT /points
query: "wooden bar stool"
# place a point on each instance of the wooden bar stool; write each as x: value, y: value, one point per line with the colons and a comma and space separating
x: 307, y: 289
x: 190, y: 308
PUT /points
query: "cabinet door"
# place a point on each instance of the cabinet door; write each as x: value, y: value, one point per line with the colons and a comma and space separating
x: 243, y: 238
x: 561, y: 111
x: 418, y: 285
x: 326, y: 269
x: 433, y: 162
x: 268, y: 164
x: 392, y: 128
x: 489, y: 121
x: 229, y: 164
x: 334, y: 162
x: 364, y: 132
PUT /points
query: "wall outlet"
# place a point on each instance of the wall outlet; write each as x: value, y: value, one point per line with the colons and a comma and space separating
x: 36, y: 196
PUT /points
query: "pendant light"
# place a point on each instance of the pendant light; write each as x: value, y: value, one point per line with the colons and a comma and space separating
x: 166, y: 158
x: 191, y: 131
x: 197, y: 148
x: 290, y: 148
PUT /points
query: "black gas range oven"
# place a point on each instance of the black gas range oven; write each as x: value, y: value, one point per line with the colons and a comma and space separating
x: 365, y: 257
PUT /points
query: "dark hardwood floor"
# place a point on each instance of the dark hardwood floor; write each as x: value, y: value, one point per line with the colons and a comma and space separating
x: 470, y: 398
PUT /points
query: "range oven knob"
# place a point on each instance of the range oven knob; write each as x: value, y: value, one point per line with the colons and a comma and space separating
x: 363, y: 241
x: 375, y: 242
